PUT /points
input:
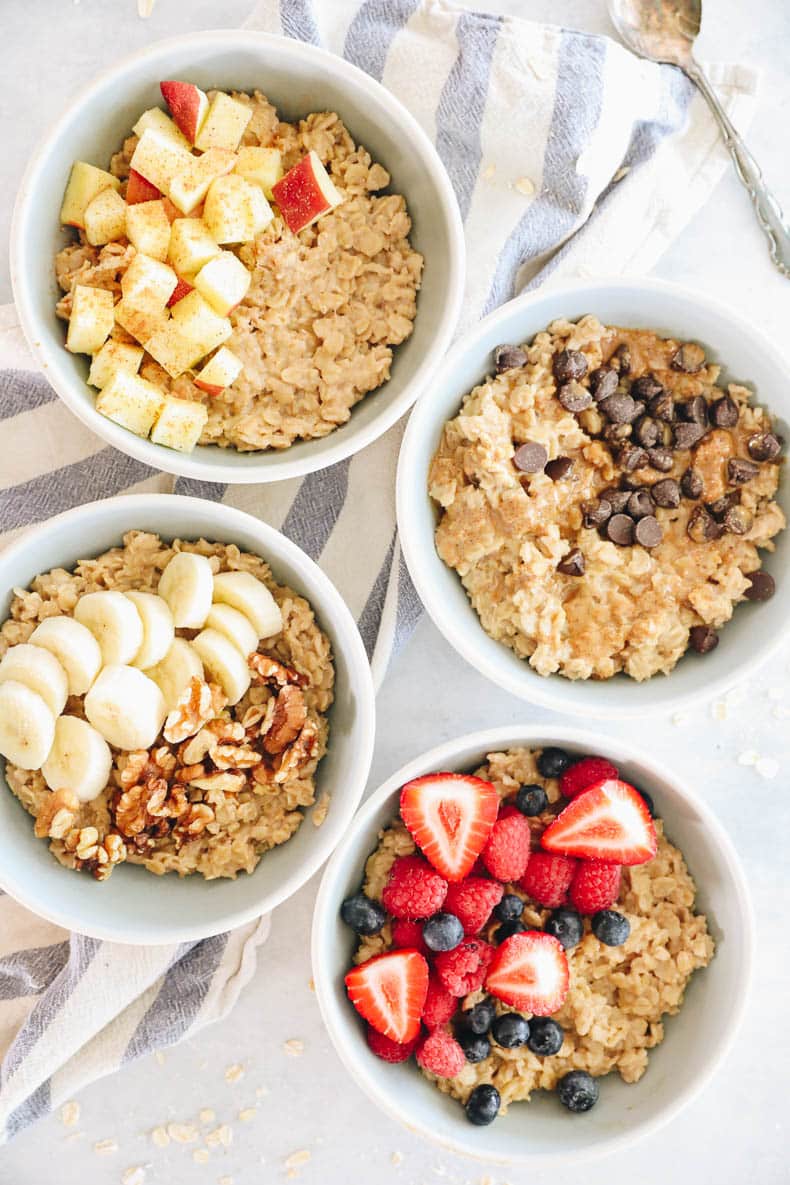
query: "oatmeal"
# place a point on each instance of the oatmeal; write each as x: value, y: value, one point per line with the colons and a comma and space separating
x: 604, y: 501
x: 211, y: 751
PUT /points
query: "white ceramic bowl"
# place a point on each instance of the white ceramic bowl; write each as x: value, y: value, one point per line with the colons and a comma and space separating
x: 542, y: 1132
x: 299, y: 79
x: 133, y: 905
x: 755, y: 631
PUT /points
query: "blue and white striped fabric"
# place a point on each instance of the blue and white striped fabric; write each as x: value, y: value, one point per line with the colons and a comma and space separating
x: 569, y: 158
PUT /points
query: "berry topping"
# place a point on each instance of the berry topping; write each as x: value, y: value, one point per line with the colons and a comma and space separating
x: 510, y: 1030
x: 578, y: 1091
x: 507, y: 852
x: 611, y: 927
x: 610, y: 821
x: 388, y: 1050
x: 532, y: 800
x: 482, y: 1106
x: 586, y: 773
x: 566, y: 925
x: 472, y: 901
x: 478, y: 1018
x: 530, y: 972
x: 450, y: 817
x: 389, y: 992
x: 545, y: 1036
x: 442, y: 932
x: 552, y: 763
x: 547, y: 878
x: 510, y: 908
x: 362, y: 914
x: 439, y: 1006
x: 508, y: 929
x: 409, y: 934
x: 595, y: 885
x: 476, y: 1046
x: 413, y: 889
x: 651, y: 806
x: 441, y: 1054
x: 463, y: 970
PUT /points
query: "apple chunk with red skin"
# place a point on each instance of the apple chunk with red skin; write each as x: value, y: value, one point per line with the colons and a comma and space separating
x: 139, y: 190
x: 188, y: 105
x: 219, y: 372
x: 305, y: 193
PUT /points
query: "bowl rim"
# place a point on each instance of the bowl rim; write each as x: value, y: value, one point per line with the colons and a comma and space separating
x: 442, y: 757
x: 465, y: 637
x: 329, y: 605
x: 326, y: 452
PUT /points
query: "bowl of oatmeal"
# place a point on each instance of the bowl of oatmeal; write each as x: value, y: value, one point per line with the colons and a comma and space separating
x: 592, y: 502
x: 187, y: 718
x: 260, y: 261
x: 643, y: 998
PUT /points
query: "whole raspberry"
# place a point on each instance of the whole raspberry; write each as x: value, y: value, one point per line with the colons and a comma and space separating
x: 414, y: 889
x: 472, y: 901
x: 441, y: 1054
x: 506, y: 853
x: 463, y: 970
x: 595, y: 885
x: 387, y: 1049
x: 547, y: 878
x: 586, y: 773
x: 409, y: 934
x: 439, y: 1006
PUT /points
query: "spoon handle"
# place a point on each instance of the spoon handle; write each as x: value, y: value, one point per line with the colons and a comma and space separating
x: 767, y: 208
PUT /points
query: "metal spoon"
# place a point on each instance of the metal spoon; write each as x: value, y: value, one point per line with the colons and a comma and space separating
x: 664, y: 31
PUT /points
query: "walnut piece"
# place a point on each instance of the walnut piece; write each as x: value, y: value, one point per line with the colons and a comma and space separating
x: 57, y: 815
x: 193, y: 709
x: 290, y: 713
x: 269, y: 670
x: 228, y: 781
x: 234, y: 756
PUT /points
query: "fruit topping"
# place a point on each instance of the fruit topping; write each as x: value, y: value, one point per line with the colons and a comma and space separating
x: 472, y: 902
x: 578, y: 1091
x: 482, y: 1106
x: 530, y: 972
x: 506, y: 853
x: 362, y: 914
x: 548, y: 878
x: 450, y: 817
x: 545, y: 1036
x: 566, y: 925
x: 441, y: 1054
x: 463, y: 970
x: 442, y: 932
x: 609, y: 821
x: 595, y: 885
x: 586, y: 773
x: 413, y: 889
x: 387, y: 1049
x: 610, y: 927
x: 439, y: 1007
x: 389, y: 992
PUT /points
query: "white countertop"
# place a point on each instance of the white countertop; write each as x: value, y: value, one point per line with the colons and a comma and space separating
x: 737, y: 1132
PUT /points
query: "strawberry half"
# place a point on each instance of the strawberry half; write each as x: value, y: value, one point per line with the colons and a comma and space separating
x: 450, y: 817
x: 530, y: 972
x: 389, y: 991
x: 609, y: 821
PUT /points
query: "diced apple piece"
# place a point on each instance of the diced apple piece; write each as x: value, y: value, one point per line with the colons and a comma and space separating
x: 91, y: 319
x: 260, y: 166
x: 224, y: 282
x: 158, y: 158
x: 198, y: 321
x: 224, y: 124
x: 140, y: 190
x: 188, y: 105
x: 235, y: 211
x: 173, y: 350
x: 219, y: 372
x: 180, y: 424
x: 305, y: 193
x: 105, y: 218
x: 181, y: 290
x: 172, y: 211
x: 112, y: 357
x: 85, y: 181
x: 190, y: 185
x: 156, y: 120
x: 131, y: 402
x: 191, y: 246
x: 148, y: 229
x: 148, y: 283
x: 142, y: 322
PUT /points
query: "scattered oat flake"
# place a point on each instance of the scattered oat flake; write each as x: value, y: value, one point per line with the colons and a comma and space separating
x: 207, y: 1115
x: 680, y: 718
x: 311, y: 985
x: 70, y: 1114
x: 297, y: 1159
x: 247, y: 1113
x: 234, y: 1073
x: 103, y: 1147
x: 486, y: 1181
x: 225, y: 1181
x: 294, y: 1047
x: 182, y: 1133
x: 525, y: 186
x: 767, y: 767
x: 261, y: 1092
x: 748, y: 757
x: 719, y: 710
x: 489, y: 172
x: 145, y: 8
x: 201, y: 1156
x: 396, y: 1159
x: 134, y: 1175
x: 220, y: 1135
x: 160, y: 1057
x: 160, y: 1137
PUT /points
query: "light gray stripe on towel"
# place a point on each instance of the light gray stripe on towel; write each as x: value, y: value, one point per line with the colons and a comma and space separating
x: 370, y: 617
x: 297, y: 20
x: 22, y: 390
x: 34, y: 1107
x: 409, y: 607
x: 372, y: 30
x: 212, y: 491
x: 30, y: 972
x: 316, y: 508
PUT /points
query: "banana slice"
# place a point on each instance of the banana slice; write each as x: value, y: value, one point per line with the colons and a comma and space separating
x: 234, y: 626
x: 252, y: 598
x: 187, y: 584
x: 173, y: 674
x: 114, y: 623
x: 79, y: 760
x: 40, y: 671
x: 126, y: 707
x: 27, y: 726
x: 75, y: 648
x: 224, y: 663
x: 158, y: 628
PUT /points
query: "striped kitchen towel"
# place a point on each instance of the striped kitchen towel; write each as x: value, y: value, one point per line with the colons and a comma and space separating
x: 569, y: 157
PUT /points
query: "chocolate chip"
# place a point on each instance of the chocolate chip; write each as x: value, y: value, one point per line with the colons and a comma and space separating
x: 686, y: 435
x: 692, y: 484
x: 530, y: 457
x: 689, y: 358
x: 648, y: 531
x: 619, y: 409
x: 703, y: 639
x: 740, y: 471
x: 694, y: 411
x: 630, y: 457
x: 509, y: 358
x: 569, y: 365
x: 621, y: 358
x: 724, y: 412
x: 720, y: 507
x: 603, y: 382
x: 662, y: 407
x: 660, y: 459
x: 573, y: 564
x: 666, y: 493
x: 646, y: 386
x: 620, y: 529
x: 737, y: 520
x: 574, y: 397
x: 617, y: 499
x: 702, y: 526
x: 558, y: 468
x: 640, y: 504
x: 764, y: 446
x: 762, y: 586
x: 595, y: 514
x: 647, y: 431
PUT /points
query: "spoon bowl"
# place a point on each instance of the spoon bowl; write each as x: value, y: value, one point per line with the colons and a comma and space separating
x: 663, y: 30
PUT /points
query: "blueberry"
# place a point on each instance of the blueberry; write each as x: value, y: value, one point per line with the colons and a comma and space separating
x: 610, y: 927
x: 532, y: 800
x: 442, y: 932
x: 362, y: 914
x: 482, y: 1106
x: 545, y: 1036
x: 510, y: 908
x: 508, y: 929
x: 651, y: 806
x: 553, y: 762
x: 566, y: 925
x: 476, y: 1046
x: 478, y: 1019
x: 578, y: 1091
x: 510, y: 1030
